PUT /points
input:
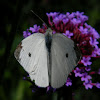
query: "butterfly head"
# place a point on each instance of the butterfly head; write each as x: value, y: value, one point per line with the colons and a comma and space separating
x: 48, y: 32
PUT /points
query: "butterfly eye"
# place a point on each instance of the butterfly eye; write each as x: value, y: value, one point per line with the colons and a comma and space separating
x: 29, y: 54
x: 67, y: 55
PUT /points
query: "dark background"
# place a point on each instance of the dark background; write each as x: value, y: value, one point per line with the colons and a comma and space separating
x: 15, y: 18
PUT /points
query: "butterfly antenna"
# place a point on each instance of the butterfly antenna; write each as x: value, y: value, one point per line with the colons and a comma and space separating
x: 38, y: 17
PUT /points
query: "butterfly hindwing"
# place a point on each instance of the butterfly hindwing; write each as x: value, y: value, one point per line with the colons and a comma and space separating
x: 31, y: 53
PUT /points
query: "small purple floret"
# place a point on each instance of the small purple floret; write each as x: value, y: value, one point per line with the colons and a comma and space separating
x: 77, y: 72
x: 93, y: 42
x: 97, y: 85
x: 78, y: 14
x: 88, y: 68
x: 34, y: 29
x: 85, y: 77
x: 72, y: 15
x: 65, y: 20
x: 75, y: 21
x: 88, y: 84
x: 97, y: 50
x: 68, y: 34
x: 83, y: 30
x: 56, y: 20
x: 94, y: 33
x: 26, y: 33
x: 69, y: 82
x: 83, y: 18
x: 86, y: 61
x: 52, y: 14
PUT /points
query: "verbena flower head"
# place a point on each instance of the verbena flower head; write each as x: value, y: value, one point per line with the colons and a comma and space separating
x: 73, y: 25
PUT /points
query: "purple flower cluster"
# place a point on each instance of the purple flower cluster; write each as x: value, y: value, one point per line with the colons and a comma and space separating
x: 31, y: 30
x: 74, y: 26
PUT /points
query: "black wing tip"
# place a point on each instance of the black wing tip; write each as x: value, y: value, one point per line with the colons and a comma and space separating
x: 17, y: 51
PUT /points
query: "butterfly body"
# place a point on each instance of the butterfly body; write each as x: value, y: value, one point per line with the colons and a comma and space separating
x: 48, y: 58
x: 48, y: 39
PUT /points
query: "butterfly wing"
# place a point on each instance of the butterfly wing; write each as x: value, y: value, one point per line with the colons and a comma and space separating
x: 64, y: 57
x: 31, y: 53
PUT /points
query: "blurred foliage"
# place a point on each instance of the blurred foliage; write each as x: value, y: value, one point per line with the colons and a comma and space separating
x: 15, y: 18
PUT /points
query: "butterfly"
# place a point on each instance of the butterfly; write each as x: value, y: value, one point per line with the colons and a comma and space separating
x: 48, y: 58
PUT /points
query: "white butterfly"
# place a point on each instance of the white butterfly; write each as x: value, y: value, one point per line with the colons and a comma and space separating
x: 48, y: 58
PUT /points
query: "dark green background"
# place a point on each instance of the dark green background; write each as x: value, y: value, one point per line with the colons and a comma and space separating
x: 15, y: 18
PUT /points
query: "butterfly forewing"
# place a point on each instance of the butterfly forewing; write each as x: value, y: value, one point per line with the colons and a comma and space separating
x: 63, y: 59
x: 31, y: 53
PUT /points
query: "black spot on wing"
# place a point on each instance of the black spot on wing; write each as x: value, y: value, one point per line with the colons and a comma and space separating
x: 29, y: 54
x: 66, y: 55
x: 78, y: 52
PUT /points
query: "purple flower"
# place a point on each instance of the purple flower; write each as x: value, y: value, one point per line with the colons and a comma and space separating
x: 69, y: 82
x: 52, y: 14
x: 67, y: 14
x: 94, y: 33
x: 83, y: 18
x: 97, y: 50
x: 87, y: 26
x: 61, y: 16
x: 72, y: 15
x: 88, y: 84
x: 78, y: 14
x: 83, y: 30
x: 56, y: 20
x: 48, y: 88
x: 65, y: 20
x: 93, y: 42
x: 97, y: 85
x: 68, y: 34
x: 26, y: 33
x: 93, y: 54
x: 77, y: 72
x: 75, y: 21
x: 86, y: 61
x: 34, y: 29
x: 88, y: 68
x: 85, y: 77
